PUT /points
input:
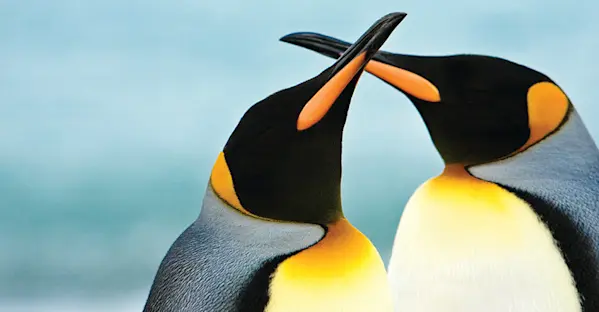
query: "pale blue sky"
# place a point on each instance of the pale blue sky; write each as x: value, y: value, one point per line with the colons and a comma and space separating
x: 112, y: 112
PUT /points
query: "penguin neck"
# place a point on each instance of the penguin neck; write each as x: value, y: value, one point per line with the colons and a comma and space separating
x: 456, y: 171
x: 568, y: 154
x: 342, y: 272
x: 456, y: 180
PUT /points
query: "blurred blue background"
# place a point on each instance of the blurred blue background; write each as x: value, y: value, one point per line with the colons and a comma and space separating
x: 112, y: 113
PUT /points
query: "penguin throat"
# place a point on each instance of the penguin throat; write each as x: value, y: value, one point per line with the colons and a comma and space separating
x: 456, y: 171
x: 328, y: 258
x: 342, y: 272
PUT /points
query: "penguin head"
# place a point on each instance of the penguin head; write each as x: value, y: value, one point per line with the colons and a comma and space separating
x: 283, y: 160
x: 478, y: 109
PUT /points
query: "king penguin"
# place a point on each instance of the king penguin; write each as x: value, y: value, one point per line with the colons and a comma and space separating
x: 271, y: 235
x: 512, y: 222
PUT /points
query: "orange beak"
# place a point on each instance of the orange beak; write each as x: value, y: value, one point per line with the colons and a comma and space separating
x: 349, y: 65
x: 409, y: 82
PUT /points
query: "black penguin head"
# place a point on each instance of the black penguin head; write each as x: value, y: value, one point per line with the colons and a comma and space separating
x: 283, y: 160
x: 478, y: 109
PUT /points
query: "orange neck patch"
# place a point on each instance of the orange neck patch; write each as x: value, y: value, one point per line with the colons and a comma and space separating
x: 342, y: 272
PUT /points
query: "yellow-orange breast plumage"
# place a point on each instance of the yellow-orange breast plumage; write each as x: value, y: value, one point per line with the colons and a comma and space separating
x: 466, y: 245
x: 343, y: 272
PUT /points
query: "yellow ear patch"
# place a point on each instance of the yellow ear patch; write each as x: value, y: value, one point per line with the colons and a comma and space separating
x: 222, y: 183
x: 547, y: 107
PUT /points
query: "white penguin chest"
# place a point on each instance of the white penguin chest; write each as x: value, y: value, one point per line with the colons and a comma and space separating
x: 467, y: 245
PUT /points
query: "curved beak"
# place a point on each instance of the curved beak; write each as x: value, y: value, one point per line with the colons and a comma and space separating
x: 351, y: 63
x: 381, y: 65
x: 323, y: 44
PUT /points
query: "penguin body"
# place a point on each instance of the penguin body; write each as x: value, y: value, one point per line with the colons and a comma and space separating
x: 559, y: 177
x: 268, y: 266
x: 512, y: 223
x: 271, y: 235
x: 465, y: 244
